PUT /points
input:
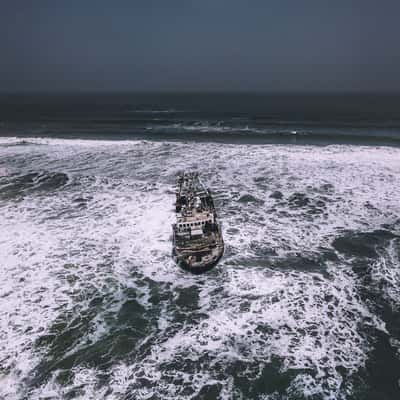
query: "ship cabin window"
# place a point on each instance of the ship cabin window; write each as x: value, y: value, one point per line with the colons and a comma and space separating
x: 187, y: 225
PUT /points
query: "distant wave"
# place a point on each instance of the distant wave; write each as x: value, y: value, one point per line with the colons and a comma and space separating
x: 222, y: 130
x: 157, y: 111
x: 255, y: 132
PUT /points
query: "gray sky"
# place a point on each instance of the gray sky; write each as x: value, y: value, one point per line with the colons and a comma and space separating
x: 218, y: 45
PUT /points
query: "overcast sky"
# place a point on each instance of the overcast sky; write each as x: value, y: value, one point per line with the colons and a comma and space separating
x: 280, y: 45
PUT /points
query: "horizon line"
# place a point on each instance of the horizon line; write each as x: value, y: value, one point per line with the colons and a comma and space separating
x: 199, y: 91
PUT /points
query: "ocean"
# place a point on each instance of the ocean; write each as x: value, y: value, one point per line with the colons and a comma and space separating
x: 304, y: 303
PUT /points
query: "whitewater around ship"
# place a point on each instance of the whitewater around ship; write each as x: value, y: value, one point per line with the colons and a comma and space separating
x: 197, y: 237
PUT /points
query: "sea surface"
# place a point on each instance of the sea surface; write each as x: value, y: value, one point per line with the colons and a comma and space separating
x: 305, y: 303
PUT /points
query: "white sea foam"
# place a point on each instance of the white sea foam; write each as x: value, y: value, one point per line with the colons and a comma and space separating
x: 108, y: 230
x: 290, y: 319
x: 385, y: 274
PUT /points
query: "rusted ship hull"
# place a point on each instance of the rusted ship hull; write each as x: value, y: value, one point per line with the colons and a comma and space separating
x: 199, y: 260
x: 198, y: 269
x: 197, y: 236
